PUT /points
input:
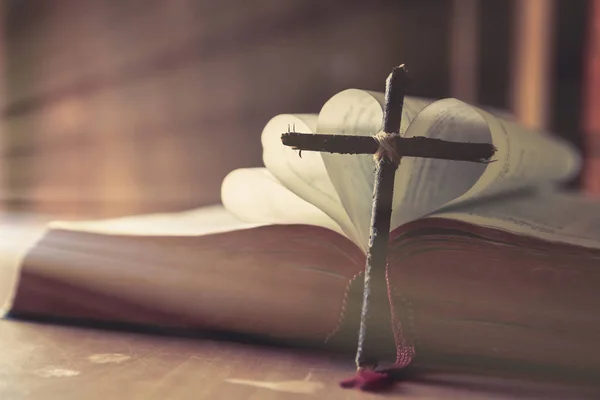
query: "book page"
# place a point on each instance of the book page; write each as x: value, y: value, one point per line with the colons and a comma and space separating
x: 359, y: 112
x: 291, y: 190
x: 304, y: 174
x: 341, y: 186
x: 546, y: 214
x: 424, y: 184
x: 20, y: 233
x: 524, y: 158
x: 251, y: 197
x: 201, y: 221
x: 254, y: 195
x: 269, y: 280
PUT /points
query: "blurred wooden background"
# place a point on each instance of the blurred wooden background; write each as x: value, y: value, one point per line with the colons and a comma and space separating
x: 130, y: 106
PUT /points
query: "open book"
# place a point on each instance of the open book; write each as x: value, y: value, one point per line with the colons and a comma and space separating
x: 488, y: 261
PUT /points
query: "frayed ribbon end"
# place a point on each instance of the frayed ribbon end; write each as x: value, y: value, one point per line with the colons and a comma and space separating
x: 369, y: 381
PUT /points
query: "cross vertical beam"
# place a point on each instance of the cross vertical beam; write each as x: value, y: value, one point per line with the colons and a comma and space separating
x: 375, y: 277
x: 388, y: 147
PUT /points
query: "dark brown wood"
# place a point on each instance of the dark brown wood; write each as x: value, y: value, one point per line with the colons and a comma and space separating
x: 375, y: 267
x: 417, y: 146
x: 383, y: 194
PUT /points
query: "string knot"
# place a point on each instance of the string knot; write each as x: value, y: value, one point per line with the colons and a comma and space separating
x: 387, y: 147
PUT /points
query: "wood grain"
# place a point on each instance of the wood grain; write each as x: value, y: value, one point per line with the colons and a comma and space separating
x: 46, y: 362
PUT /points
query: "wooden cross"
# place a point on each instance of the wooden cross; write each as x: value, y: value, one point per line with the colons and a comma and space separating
x: 388, y: 147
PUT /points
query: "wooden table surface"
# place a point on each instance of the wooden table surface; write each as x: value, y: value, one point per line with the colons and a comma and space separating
x: 39, y: 361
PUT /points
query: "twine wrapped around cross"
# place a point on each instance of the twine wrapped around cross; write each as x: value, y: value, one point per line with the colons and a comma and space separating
x: 388, y: 148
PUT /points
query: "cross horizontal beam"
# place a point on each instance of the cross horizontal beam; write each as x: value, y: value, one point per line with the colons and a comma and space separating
x: 417, y: 146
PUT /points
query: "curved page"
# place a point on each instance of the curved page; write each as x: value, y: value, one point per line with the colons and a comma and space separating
x: 254, y: 195
x: 547, y: 215
x: 201, y: 221
x: 427, y: 184
x: 303, y: 174
x: 358, y: 112
x: 524, y: 158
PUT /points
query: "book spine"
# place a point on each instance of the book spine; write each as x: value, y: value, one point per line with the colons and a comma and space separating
x: 532, y: 68
x: 591, y: 108
x: 3, y: 94
x: 464, y: 50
